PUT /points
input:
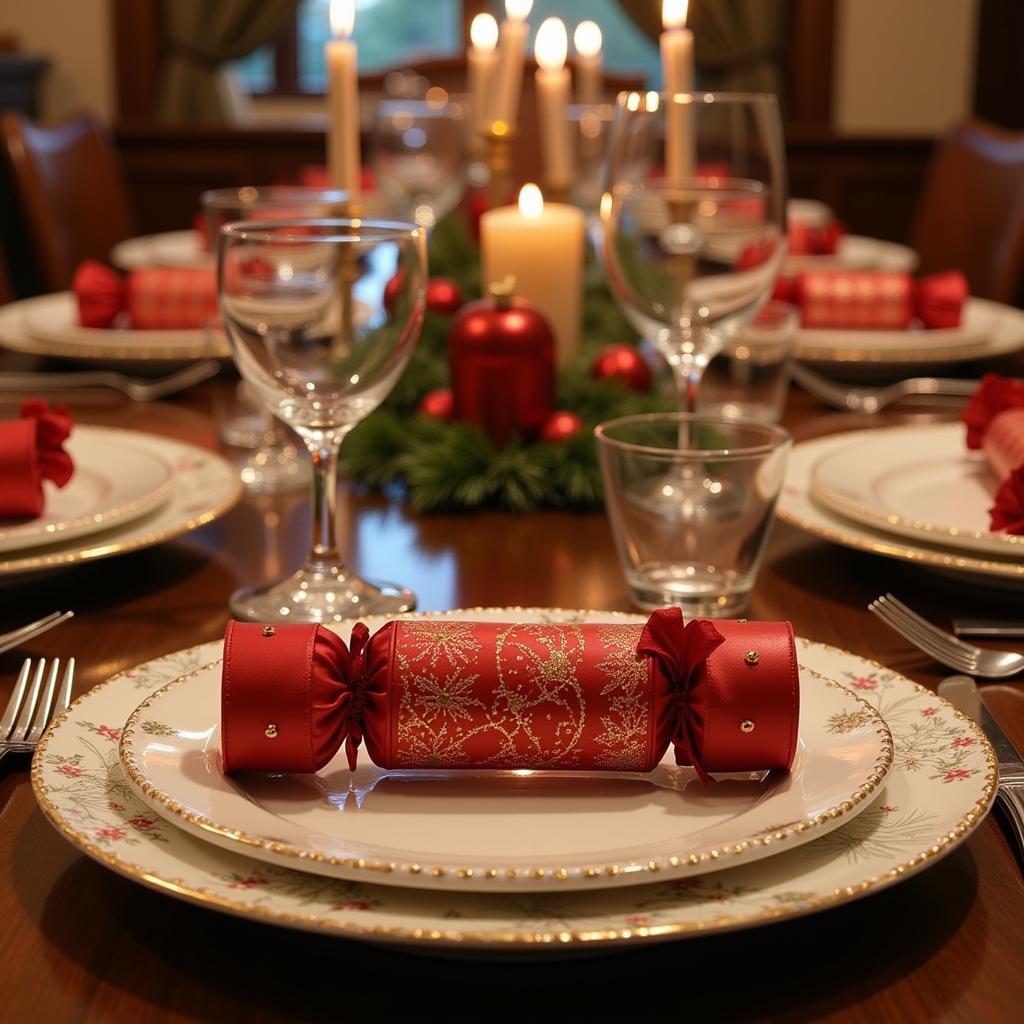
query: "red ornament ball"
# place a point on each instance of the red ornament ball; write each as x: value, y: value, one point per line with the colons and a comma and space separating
x: 444, y: 296
x: 438, y: 405
x: 560, y: 426
x: 624, y: 364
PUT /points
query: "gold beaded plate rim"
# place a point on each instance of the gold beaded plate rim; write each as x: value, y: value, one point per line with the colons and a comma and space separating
x: 796, y: 507
x: 630, y: 868
x: 889, y: 521
x: 511, y: 934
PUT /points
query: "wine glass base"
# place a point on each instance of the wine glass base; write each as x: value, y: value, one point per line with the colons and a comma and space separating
x: 275, y: 469
x: 320, y: 594
x: 692, y: 588
x: 687, y: 497
x: 246, y: 430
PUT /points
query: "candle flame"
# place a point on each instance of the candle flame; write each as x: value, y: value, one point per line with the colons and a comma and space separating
x: 518, y: 10
x: 552, y: 44
x: 587, y: 39
x: 343, y: 18
x: 531, y: 201
x: 483, y: 32
x: 673, y: 13
x: 651, y: 102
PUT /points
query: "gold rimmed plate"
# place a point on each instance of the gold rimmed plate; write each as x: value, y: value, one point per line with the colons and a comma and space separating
x: 941, y: 786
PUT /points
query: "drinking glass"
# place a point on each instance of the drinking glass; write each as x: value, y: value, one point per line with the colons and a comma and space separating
x: 304, y: 307
x: 694, y: 220
x: 273, y: 465
x: 704, y: 559
x: 419, y: 156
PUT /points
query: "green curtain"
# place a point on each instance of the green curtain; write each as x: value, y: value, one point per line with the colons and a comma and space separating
x: 202, y: 35
x: 739, y: 45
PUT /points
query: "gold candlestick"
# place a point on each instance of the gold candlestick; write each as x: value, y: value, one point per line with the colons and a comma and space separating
x: 498, y: 137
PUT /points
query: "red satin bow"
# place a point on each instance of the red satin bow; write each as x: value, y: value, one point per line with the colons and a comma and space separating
x: 805, y: 240
x: 682, y: 651
x: 354, y: 698
x: 940, y: 298
x: 101, y: 294
x: 995, y: 394
x: 31, y: 451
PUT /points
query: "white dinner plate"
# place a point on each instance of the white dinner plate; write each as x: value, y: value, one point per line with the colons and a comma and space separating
x: 48, y: 326
x: 940, y: 788
x: 206, y: 485
x: 495, y: 830
x: 797, y: 507
x: 812, y: 212
x: 166, y: 249
x: 856, y: 252
x: 115, y: 481
x: 915, y: 481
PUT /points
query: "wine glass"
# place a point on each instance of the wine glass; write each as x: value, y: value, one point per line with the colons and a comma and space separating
x: 694, y: 220
x: 304, y: 307
x: 419, y: 156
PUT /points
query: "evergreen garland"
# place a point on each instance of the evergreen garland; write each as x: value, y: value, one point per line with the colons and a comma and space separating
x: 445, y: 467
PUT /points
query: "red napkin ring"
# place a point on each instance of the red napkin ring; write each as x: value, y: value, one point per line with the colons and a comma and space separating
x: 153, y: 298
x: 807, y: 240
x: 31, y: 451
x: 449, y: 694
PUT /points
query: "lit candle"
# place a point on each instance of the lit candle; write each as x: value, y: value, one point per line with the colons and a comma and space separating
x: 508, y: 82
x: 541, y: 245
x: 553, y: 90
x: 343, y: 163
x: 587, y: 42
x: 677, y: 72
x: 482, y: 60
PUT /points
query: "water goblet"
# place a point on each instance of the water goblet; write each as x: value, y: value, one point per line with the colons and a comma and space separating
x: 303, y: 304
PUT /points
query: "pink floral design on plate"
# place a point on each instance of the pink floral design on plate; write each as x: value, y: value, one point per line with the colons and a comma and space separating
x: 69, y: 770
x: 963, y: 741
x: 249, y: 882
x: 110, y: 833
x: 928, y: 712
x: 864, y: 683
x: 956, y: 775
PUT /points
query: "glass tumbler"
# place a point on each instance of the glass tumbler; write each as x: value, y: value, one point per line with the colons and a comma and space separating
x: 677, y: 550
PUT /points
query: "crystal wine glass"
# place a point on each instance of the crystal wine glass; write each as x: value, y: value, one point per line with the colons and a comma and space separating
x: 273, y: 464
x: 304, y: 307
x: 694, y: 220
x: 419, y: 156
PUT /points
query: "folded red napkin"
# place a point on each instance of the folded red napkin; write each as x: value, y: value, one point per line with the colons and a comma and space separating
x: 152, y: 298
x: 807, y: 240
x: 448, y: 694
x: 995, y: 423
x: 31, y: 451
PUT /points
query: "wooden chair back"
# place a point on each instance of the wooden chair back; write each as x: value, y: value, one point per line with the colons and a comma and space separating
x: 971, y: 215
x: 70, y: 186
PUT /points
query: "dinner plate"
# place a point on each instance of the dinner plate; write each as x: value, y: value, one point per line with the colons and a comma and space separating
x: 166, y: 249
x: 115, y: 481
x: 987, y: 329
x: 797, y: 507
x: 497, y: 831
x: 915, y: 481
x: 812, y: 212
x: 856, y: 252
x: 48, y: 326
x: 940, y: 788
x: 205, y: 487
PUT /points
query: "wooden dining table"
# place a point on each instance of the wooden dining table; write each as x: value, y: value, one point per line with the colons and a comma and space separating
x: 79, y: 943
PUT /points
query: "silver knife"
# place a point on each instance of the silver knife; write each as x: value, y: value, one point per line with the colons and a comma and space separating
x: 989, y: 627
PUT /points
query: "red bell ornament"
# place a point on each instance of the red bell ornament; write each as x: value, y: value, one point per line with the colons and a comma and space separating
x: 624, y: 364
x: 437, y: 404
x: 501, y: 355
x: 444, y: 296
x: 560, y: 426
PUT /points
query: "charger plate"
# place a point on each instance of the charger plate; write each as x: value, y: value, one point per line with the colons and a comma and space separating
x: 796, y: 506
x: 915, y: 481
x: 116, y: 480
x: 941, y: 785
x: 500, y: 831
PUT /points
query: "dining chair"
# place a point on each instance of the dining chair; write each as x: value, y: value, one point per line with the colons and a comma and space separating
x: 971, y: 215
x: 70, y: 186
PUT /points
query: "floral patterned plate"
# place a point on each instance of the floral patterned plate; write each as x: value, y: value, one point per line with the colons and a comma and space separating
x: 941, y: 786
x: 497, y: 831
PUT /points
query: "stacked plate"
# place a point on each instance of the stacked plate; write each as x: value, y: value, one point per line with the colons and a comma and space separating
x: 515, y: 860
x: 130, y: 490
x: 914, y: 493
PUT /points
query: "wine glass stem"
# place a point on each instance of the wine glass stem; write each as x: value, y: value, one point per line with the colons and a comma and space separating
x: 323, y: 450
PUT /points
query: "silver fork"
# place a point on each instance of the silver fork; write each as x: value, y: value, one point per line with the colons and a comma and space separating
x: 28, y: 711
x: 871, y: 400
x: 943, y: 646
x: 136, y: 389
x: 16, y: 637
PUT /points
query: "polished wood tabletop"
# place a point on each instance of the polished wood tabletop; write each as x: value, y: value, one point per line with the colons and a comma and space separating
x: 79, y: 943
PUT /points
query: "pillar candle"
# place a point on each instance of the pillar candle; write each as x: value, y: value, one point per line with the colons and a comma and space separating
x: 589, y: 72
x: 508, y: 79
x: 541, y: 245
x: 553, y: 92
x: 343, y: 163
x: 677, y: 72
x: 482, y: 59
